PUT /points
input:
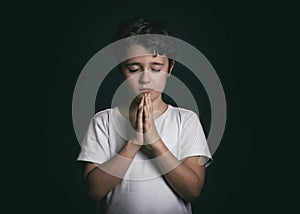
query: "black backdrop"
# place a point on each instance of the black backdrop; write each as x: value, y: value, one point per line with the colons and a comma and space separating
x: 253, y: 48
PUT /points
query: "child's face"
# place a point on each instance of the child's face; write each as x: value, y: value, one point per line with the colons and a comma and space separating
x: 146, y: 73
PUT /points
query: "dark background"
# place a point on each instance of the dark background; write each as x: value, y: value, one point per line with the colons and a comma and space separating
x: 253, y: 48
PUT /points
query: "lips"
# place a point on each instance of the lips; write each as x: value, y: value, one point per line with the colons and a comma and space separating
x: 145, y: 89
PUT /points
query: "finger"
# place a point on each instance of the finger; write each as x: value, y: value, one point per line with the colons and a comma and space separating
x: 140, y: 120
x: 140, y: 115
x: 150, y: 104
x: 146, y: 112
x: 142, y: 102
x: 146, y: 122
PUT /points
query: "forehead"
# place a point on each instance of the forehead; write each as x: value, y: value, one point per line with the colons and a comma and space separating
x: 139, y: 54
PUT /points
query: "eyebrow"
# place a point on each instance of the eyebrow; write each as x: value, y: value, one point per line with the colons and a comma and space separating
x: 133, y: 63
x: 157, y: 63
x: 137, y: 63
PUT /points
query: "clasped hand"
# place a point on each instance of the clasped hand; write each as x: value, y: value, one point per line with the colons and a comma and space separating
x: 146, y: 133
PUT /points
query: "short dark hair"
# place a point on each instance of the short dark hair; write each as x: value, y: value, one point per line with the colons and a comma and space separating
x: 140, y: 26
x: 156, y: 44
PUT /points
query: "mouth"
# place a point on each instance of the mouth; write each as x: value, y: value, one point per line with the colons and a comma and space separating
x: 145, y: 90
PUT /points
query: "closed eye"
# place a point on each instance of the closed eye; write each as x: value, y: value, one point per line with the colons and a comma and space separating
x: 133, y: 70
x: 156, y: 70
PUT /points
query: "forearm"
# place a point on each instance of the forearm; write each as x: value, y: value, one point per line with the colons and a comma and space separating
x: 180, y: 177
x: 102, y: 179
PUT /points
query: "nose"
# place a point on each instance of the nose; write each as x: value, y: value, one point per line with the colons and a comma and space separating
x: 144, y: 77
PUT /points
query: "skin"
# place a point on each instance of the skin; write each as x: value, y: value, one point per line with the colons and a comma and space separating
x: 146, y: 78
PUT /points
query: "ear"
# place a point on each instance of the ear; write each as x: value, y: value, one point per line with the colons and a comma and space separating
x: 171, y: 66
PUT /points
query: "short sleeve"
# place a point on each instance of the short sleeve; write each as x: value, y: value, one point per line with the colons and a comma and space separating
x: 95, y: 144
x: 193, y: 141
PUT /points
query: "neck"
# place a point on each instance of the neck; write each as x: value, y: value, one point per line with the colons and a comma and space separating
x: 159, y: 106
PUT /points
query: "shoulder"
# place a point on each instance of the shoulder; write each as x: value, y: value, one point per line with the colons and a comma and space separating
x: 180, y: 116
x: 103, y: 116
x: 181, y: 113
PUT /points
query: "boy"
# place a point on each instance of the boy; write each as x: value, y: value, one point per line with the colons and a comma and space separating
x: 145, y: 156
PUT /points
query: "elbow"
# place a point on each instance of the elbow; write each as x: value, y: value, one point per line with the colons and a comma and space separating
x: 191, y: 197
x: 193, y: 194
x: 95, y: 191
x: 96, y: 196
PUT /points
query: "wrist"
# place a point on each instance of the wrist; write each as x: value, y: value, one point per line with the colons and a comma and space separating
x: 133, y: 146
x: 158, y: 148
x: 129, y: 150
x: 151, y: 137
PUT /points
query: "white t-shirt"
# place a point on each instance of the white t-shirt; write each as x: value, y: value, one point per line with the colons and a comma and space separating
x: 143, y: 188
